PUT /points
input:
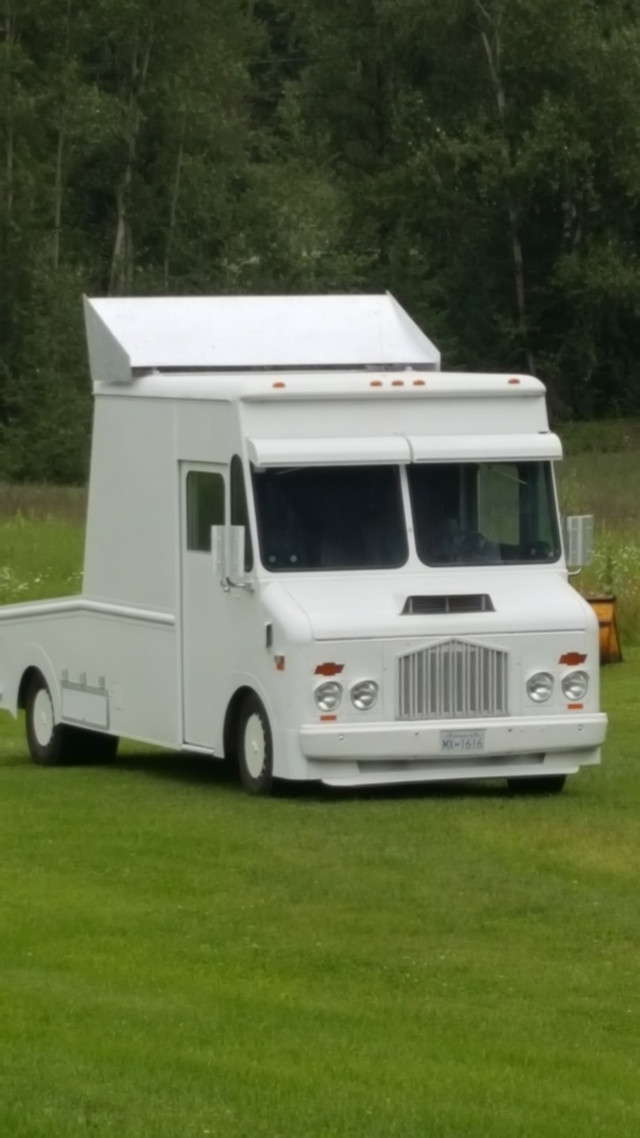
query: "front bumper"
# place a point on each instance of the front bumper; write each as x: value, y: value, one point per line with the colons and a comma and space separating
x: 354, y: 754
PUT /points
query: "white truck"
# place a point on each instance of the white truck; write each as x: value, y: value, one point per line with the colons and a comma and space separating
x: 311, y: 551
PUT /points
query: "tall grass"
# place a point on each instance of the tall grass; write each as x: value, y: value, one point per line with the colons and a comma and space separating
x: 606, y: 485
x: 41, y: 502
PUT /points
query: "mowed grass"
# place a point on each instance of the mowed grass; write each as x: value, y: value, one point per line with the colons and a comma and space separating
x: 177, y: 958
x: 41, y: 542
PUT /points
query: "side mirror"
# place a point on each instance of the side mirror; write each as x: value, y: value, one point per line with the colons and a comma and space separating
x: 227, y: 556
x: 579, y: 540
x: 219, y: 553
x: 236, y: 571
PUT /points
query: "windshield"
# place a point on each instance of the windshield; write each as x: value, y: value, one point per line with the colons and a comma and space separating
x: 484, y: 513
x: 330, y: 517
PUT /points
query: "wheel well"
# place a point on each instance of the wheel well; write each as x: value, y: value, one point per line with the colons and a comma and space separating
x: 24, y: 685
x: 231, y: 722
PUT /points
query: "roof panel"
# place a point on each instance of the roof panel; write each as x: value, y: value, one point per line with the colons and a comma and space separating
x: 222, y: 333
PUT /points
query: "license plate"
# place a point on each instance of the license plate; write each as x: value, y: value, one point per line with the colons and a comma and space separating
x: 462, y: 742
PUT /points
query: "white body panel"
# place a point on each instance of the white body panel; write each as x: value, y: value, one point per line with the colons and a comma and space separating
x: 155, y: 649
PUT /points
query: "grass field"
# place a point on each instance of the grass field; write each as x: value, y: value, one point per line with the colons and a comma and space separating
x: 180, y: 959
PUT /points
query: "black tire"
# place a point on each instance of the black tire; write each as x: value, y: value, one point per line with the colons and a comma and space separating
x: 544, y: 784
x: 255, y: 747
x: 48, y: 741
x: 57, y: 744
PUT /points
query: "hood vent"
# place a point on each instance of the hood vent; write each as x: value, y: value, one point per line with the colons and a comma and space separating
x: 461, y: 602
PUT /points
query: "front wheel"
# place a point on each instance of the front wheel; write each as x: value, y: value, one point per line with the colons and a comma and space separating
x: 255, y: 747
x: 545, y: 784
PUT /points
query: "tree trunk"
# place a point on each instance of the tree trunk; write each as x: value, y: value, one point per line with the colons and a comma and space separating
x: 57, y: 192
x: 58, y: 181
x: 10, y: 36
x: 490, y: 35
x: 121, y: 273
x: 173, y: 207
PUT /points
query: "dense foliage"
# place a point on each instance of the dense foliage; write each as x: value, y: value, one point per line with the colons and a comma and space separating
x: 478, y: 158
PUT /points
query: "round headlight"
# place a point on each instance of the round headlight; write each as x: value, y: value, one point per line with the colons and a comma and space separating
x: 540, y: 686
x: 364, y: 694
x: 574, y: 686
x: 328, y: 696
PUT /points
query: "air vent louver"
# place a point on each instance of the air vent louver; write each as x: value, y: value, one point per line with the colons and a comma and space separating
x: 459, y: 602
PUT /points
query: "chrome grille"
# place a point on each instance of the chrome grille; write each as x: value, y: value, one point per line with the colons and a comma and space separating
x: 454, y: 680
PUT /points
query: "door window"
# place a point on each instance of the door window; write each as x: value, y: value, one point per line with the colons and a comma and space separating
x: 205, y: 508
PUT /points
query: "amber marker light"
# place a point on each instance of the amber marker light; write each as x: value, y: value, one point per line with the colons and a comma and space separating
x: 513, y: 380
x: 419, y: 383
x: 573, y: 658
x: 279, y: 663
x: 279, y: 384
x: 328, y: 718
x: 376, y: 383
x: 329, y: 669
x: 397, y: 382
x: 575, y: 706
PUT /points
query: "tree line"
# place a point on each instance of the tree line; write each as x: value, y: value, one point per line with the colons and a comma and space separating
x: 480, y: 159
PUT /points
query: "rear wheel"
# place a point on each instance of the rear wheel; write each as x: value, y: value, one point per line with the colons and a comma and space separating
x: 255, y: 747
x: 545, y: 784
x: 47, y: 740
x: 54, y: 744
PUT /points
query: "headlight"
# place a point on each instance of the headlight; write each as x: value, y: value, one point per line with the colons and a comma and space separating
x: 364, y: 694
x: 575, y: 685
x: 540, y: 686
x: 328, y: 696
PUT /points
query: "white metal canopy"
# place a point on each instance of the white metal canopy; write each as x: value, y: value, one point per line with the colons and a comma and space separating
x: 403, y: 449
x: 479, y: 448
x: 126, y: 334
x: 321, y: 452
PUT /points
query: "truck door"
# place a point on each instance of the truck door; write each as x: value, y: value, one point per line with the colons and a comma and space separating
x: 205, y: 607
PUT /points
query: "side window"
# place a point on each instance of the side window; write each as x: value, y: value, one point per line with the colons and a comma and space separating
x: 205, y: 508
x: 239, y: 511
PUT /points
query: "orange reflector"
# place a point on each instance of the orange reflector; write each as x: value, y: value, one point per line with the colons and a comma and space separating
x: 573, y: 658
x: 329, y: 669
x: 376, y: 383
x: 513, y: 380
x: 328, y: 718
x: 279, y: 384
x: 419, y: 383
x: 397, y: 382
x: 575, y: 706
x: 279, y: 663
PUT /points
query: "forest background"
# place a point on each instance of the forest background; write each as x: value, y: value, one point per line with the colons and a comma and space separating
x: 480, y: 159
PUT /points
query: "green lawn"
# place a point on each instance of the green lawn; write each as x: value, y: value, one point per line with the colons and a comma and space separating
x: 180, y: 959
